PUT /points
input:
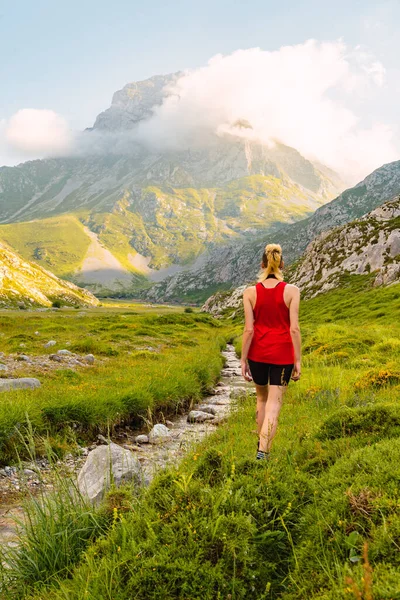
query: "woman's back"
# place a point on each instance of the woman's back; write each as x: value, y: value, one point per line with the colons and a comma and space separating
x: 272, y: 341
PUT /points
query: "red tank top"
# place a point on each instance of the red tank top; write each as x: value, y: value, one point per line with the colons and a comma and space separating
x: 272, y: 342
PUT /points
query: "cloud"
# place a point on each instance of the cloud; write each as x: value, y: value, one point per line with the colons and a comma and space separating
x: 304, y: 96
x: 37, y: 133
x: 312, y: 96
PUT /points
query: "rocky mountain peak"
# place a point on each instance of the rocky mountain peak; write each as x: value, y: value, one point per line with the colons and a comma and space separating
x: 134, y: 103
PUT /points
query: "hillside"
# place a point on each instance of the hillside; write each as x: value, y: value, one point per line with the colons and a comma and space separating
x: 369, y: 245
x: 153, y: 210
x: 237, y: 263
x: 25, y: 284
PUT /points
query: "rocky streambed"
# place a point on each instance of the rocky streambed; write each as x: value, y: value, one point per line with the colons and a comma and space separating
x: 163, y: 445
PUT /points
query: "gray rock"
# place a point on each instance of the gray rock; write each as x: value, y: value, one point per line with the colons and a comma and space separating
x: 50, y: 343
x: 207, y: 409
x: 64, y: 352
x: 141, y: 439
x: 169, y: 424
x: 23, y: 383
x: 29, y: 472
x: 89, y: 359
x: 23, y: 358
x: 159, y: 434
x: 56, y: 357
x: 198, y: 416
x: 106, y: 465
x: 3, y: 367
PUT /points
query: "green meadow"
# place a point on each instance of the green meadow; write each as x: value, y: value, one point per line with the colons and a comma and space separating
x: 320, y: 521
x: 147, y: 362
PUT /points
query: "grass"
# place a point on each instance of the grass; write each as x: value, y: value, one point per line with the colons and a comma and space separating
x: 320, y: 521
x: 139, y: 367
x: 59, y: 244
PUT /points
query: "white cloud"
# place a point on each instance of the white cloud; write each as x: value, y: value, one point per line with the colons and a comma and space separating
x: 309, y: 96
x: 301, y: 95
x: 37, y: 133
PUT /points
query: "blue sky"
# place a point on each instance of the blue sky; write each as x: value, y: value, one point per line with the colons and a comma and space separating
x: 71, y: 56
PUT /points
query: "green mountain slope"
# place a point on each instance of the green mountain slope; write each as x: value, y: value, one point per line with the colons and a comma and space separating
x: 26, y: 284
x: 238, y: 263
x: 58, y: 243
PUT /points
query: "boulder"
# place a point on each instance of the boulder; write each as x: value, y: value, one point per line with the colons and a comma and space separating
x: 198, y: 416
x: 23, y: 358
x: 89, y: 359
x: 64, y: 352
x: 160, y: 433
x: 142, y: 439
x: 107, y: 465
x: 23, y: 383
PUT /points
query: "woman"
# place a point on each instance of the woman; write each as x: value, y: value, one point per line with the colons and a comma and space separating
x: 271, y: 348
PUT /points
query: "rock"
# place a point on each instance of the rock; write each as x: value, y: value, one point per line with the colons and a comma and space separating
x: 56, y: 357
x: 23, y: 383
x: 64, y: 352
x: 169, y: 424
x: 50, y: 343
x: 207, y: 409
x: 106, y: 465
x: 36, y: 333
x: 3, y: 367
x: 141, y: 439
x: 198, y: 416
x: 222, y: 390
x: 89, y: 359
x: 23, y: 358
x: 29, y: 472
x: 159, y: 434
x: 102, y: 439
x: 3, y: 473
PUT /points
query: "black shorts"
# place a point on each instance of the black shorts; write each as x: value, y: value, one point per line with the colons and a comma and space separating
x: 263, y: 373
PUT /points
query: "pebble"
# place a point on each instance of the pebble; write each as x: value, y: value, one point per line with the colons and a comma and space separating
x: 207, y: 409
x: 55, y: 357
x: 142, y: 439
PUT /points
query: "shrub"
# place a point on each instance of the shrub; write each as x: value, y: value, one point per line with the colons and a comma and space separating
x: 382, y: 419
x: 377, y: 378
x: 188, y: 309
x: 56, y: 303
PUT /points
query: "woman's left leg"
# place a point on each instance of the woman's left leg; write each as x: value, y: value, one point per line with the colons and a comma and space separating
x: 271, y: 415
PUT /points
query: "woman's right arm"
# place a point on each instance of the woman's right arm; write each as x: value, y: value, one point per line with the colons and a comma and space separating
x: 295, y: 332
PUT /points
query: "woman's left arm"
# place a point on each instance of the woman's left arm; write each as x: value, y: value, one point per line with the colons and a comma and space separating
x: 248, y: 332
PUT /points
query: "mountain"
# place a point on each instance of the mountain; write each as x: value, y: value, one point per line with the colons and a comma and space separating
x: 237, y: 263
x: 370, y: 245
x: 138, y: 212
x: 27, y: 285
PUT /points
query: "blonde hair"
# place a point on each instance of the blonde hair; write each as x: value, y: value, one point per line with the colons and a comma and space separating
x: 272, y: 260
